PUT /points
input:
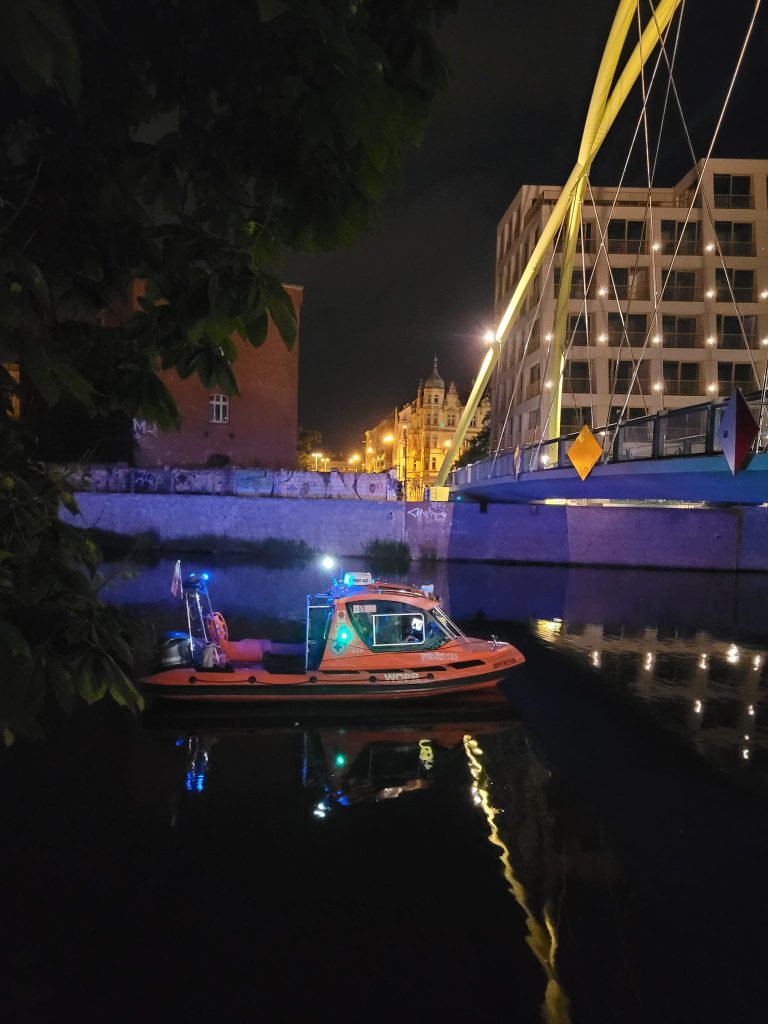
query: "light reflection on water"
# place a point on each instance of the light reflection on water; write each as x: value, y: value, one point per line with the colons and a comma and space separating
x: 557, y: 866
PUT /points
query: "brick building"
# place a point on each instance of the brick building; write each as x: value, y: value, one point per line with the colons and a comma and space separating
x: 257, y: 428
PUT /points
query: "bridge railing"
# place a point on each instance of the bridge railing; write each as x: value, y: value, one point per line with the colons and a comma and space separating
x: 690, y: 431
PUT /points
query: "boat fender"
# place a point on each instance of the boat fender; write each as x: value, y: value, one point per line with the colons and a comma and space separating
x: 218, y: 630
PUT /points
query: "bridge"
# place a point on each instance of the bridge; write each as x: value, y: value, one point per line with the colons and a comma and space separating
x: 670, y: 456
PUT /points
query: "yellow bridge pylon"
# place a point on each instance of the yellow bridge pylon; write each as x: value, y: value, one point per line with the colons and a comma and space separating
x: 608, y: 96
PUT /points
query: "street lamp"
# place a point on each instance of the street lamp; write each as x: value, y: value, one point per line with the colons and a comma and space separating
x: 316, y: 456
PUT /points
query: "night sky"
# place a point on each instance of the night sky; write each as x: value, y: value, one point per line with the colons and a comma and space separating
x: 422, y: 284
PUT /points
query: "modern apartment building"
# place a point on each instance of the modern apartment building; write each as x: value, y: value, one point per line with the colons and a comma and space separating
x: 668, y: 304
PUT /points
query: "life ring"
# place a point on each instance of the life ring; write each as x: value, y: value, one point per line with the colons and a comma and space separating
x: 217, y: 627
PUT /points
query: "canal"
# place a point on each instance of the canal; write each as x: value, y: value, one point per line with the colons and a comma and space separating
x: 596, y: 853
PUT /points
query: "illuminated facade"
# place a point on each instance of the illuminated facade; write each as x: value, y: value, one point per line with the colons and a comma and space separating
x: 413, y: 440
x: 668, y: 304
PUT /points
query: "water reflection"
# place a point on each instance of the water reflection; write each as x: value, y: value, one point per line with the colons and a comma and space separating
x: 707, y: 690
x: 484, y: 764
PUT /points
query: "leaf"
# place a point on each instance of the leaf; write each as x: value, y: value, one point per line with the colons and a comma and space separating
x: 255, y: 328
x: 281, y: 309
x: 13, y: 640
x: 61, y: 684
x: 8, y: 737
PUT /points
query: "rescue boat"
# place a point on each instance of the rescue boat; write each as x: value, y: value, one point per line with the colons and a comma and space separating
x: 365, y: 640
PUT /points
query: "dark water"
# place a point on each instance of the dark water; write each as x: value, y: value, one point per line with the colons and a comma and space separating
x: 596, y: 853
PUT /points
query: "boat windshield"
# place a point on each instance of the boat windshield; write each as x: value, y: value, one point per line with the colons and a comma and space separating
x: 450, y: 628
x: 388, y: 625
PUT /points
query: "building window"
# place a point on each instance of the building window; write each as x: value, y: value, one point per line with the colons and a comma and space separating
x: 731, y: 335
x: 733, y: 191
x: 679, y: 237
x: 734, y: 375
x: 578, y: 329
x: 736, y: 238
x: 623, y: 376
x: 218, y: 409
x: 679, y: 285
x: 577, y: 283
x: 533, y: 419
x: 628, y: 283
x: 576, y: 379
x: 682, y: 378
x: 626, y: 236
x: 633, y: 329
x: 739, y: 282
x: 680, y: 332
x: 433, y: 464
x: 575, y: 419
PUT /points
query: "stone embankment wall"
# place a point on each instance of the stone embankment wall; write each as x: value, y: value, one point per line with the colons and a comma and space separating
x: 653, y: 537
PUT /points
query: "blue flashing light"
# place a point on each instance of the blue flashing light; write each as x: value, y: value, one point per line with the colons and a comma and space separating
x: 344, y: 635
x: 458, y: 497
x: 188, y: 781
x: 204, y: 576
x: 200, y: 782
x: 180, y: 741
x: 344, y: 801
x: 340, y: 760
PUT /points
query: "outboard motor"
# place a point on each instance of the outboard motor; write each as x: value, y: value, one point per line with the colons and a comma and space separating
x: 175, y: 651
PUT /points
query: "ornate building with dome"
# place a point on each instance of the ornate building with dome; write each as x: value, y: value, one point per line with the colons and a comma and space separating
x: 414, y: 438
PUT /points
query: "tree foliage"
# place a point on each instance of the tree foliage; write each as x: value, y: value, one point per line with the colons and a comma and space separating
x: 479, y: 447
x: 187, y: 144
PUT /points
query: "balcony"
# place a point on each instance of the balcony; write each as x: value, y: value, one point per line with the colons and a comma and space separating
x: 734, y: 201
x: 727, y: 387
x: 681, y: 293
x: 686, y: 247
x: 626, y: 246
x: 622, y: 387
x: 683, y: 339
x: 732, y: 248
x: 577, y: 385
x: 723, y: 294
x: 633, y: 338
x: 683, y: 387
x: 736, y: 340
x: 631, y: 293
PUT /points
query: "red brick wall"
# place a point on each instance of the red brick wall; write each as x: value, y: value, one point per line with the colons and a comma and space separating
x: 263, y: 419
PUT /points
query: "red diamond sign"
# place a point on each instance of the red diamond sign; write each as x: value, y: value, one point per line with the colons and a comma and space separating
x: 738, y: 431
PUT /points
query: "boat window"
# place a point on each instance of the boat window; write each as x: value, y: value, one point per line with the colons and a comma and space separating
x: 451, y: 629
x: 388, y: 624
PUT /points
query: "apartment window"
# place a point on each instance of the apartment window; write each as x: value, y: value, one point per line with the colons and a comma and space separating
x: 622, y: 372
x: 584, y: 240
x: 681, y: 378
x: 734, y: 375
x: 451, y: 420
x: 679, y: 285
x: 680, y: 332
x: 731, y: 335
x: 433, y: 464
x: 535, y: 340
x: 626, y: 236
x: 733, y: 191
x: 620, y: 414
x: 736, y: 238
x: 577, y: 282
x: 627, y: 283
x: 734, y: 285
x: 218, y: 409
x: 679, y: 237
x: 534, y: 381
x: 533, y: 419
x: 575, y: 418
x: 576, y: 378
x: 578, y: 329
x: 635, y: 325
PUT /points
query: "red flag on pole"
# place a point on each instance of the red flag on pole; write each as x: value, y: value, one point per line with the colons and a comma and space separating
x: 176, y: 588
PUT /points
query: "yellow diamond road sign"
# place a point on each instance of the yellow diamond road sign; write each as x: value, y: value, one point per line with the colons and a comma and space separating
x: 585, y: 452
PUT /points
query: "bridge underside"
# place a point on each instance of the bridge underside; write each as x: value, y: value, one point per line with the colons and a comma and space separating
x: 700, y: 479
